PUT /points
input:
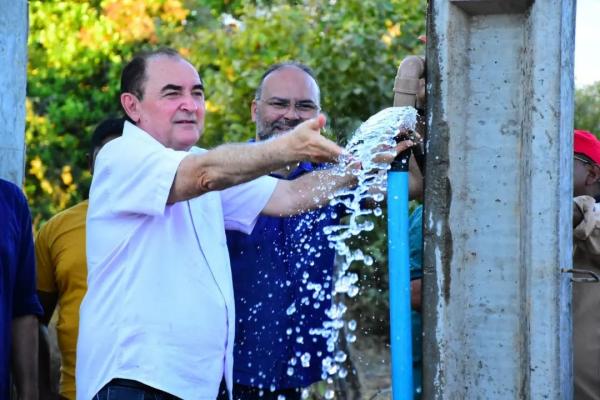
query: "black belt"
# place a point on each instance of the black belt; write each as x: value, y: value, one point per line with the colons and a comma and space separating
x: 139, y: 385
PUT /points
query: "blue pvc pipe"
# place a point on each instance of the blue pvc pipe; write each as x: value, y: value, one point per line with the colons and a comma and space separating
x: 399, y: 286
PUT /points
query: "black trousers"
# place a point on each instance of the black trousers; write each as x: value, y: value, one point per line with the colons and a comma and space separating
x: 241, y: 392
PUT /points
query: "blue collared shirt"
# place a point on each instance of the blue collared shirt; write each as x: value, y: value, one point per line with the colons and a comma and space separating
x: 282, y: 279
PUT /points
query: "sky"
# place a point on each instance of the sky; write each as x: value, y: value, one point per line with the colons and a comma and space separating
x: 587, y: 43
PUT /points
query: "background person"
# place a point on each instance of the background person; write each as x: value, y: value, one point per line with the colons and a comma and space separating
x: 271, y: 267
x: 19, y: 305
x: 586, y: 256
x: 62, y: 275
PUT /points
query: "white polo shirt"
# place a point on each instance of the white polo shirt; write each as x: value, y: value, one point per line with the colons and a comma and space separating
x: 159, y: 307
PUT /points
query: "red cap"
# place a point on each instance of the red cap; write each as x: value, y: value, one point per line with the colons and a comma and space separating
x: 587, y: 144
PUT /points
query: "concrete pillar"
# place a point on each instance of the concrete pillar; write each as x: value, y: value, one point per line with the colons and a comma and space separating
x: 498, y: 199
x: 13, y: 78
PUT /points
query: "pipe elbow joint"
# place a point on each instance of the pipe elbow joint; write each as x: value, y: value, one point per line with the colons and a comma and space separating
x: 409, y: 86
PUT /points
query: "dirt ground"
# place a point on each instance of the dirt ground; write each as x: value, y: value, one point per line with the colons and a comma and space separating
x: 371, y: 358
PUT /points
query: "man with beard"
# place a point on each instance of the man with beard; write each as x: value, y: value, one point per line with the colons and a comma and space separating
x: 272, y: 267
x: 282, y: 272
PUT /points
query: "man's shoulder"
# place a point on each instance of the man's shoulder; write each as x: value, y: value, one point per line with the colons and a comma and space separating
x: 9, y: 189
x: 12, y: 199
x: 72, y: 215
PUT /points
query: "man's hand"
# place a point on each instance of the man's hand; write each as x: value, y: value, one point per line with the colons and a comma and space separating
x: 305, y: 143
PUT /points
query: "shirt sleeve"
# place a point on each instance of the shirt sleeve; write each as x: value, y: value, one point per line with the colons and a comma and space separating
x: 26, y: 301
x: 415, y: 242
x: 45, y: 269
x: 586, y: 235
x: 134, y: 176
x: 242, y: 204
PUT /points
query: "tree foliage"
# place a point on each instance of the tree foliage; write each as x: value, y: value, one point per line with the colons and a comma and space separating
x: 78, y: 48
x: 587, y: 108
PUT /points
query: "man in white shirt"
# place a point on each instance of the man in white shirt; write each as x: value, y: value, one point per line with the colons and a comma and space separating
x: 158, y: 317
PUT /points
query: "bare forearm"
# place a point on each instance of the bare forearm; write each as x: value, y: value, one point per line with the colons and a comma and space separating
x: 232, y: 164
x: 306, y: 193
x: 25, y: 361
x: 223, y: 167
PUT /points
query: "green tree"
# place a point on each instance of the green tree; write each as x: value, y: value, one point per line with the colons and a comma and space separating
x: 587, y: 108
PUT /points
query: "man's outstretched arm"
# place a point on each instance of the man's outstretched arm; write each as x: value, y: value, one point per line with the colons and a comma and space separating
x: 232, y: 164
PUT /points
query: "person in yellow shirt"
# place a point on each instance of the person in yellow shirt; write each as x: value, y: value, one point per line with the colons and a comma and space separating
x: 62, y: 277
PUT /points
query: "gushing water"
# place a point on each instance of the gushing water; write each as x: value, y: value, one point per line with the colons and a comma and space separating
x: 373, y: 141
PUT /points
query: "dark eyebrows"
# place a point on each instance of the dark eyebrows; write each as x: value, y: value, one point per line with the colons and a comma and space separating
x: 178, y: 88
x: 169, y: 87
x: 275, y: 98
x: 284, y: 100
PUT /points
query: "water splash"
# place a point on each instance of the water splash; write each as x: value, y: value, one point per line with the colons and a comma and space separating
x: 373, y: 141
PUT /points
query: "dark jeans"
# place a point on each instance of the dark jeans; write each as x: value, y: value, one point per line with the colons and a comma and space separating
x: 125, y: 389
x: 241, y: 392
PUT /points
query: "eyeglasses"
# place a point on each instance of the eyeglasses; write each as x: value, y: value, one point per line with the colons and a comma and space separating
x: 304, y: 108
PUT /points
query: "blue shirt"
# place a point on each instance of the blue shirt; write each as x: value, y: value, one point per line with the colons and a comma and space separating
x: 415, y: 243
x: 18, y: 295
x: 282, y: 281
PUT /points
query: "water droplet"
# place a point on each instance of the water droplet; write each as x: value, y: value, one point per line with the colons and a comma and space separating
x: 352, y: 325
x: 305, y: 360
x: 290, y: 371
x: 291, y: 309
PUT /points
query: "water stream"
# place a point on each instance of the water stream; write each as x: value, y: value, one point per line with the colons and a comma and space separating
x: 373, y: 140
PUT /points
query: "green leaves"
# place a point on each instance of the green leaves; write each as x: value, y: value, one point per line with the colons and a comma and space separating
x: 587, y: 108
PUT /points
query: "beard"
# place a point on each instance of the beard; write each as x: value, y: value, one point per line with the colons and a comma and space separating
x: 270, y: 129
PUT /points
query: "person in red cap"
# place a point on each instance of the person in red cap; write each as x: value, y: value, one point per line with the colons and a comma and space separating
x: 586, y: 256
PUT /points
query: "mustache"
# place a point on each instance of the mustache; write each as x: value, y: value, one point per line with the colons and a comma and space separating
x: 284, y: 124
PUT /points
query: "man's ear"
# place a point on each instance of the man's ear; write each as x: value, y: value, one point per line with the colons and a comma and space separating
x: 253, y: 110
x: 131, y: 105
